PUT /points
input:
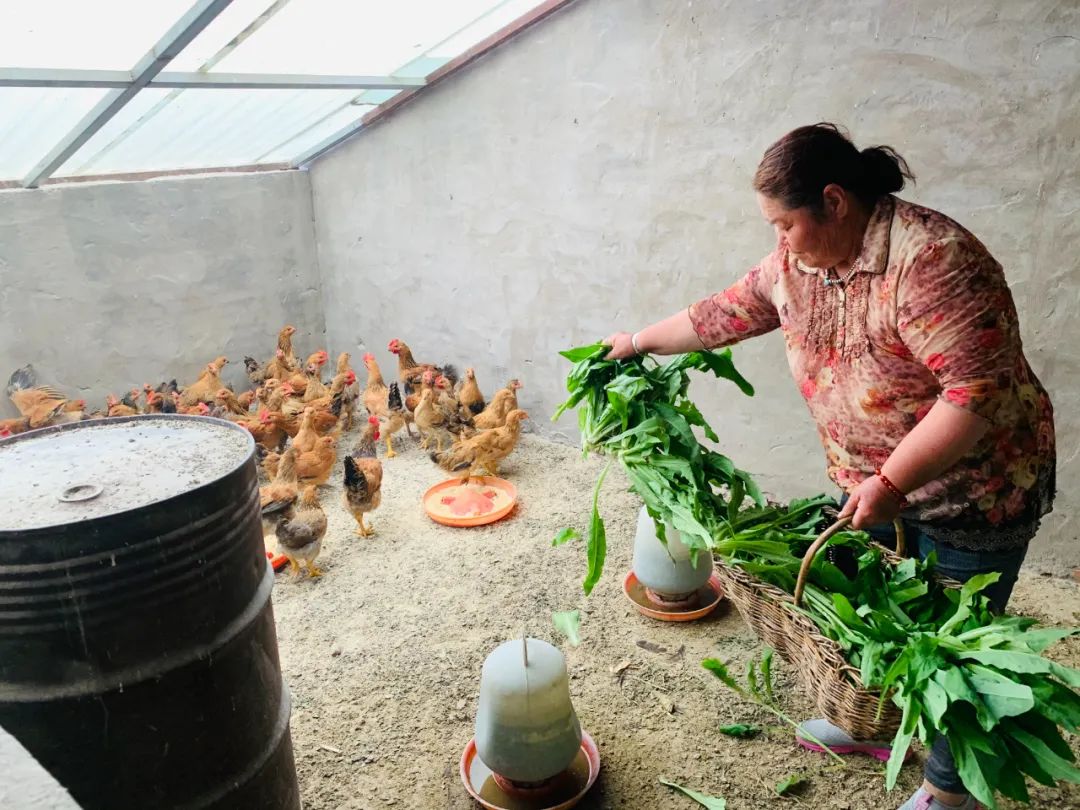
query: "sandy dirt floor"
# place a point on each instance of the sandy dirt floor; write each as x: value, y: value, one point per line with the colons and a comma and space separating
x: 383, y: 657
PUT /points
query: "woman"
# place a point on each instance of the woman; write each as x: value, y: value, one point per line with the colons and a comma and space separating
x: 902, y: 336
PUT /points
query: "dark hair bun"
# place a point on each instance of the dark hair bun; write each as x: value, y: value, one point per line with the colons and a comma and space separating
x: 884, y: 171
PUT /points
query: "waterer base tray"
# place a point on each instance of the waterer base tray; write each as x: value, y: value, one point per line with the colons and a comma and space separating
x: 473, y: 770
x: 709, y: 596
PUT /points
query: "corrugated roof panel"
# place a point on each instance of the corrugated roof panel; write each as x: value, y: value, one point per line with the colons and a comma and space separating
x: 34, y: 119
x: 87, y: 34
x: 209, y: 129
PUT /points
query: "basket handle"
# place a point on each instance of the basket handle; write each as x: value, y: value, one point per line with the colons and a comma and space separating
x: 823, y: 538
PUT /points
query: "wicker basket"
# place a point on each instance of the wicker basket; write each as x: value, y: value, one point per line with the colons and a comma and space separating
x: 819, y: 664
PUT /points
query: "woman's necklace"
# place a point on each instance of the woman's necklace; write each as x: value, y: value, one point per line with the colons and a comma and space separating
x: 842, y: 282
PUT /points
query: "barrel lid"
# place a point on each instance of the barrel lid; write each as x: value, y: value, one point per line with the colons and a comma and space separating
x: 103, y: 467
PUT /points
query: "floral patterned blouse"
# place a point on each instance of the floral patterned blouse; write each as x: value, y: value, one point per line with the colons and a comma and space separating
x: 927, y: 316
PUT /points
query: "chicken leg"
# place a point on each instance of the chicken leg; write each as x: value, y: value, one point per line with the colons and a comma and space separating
x: 294, y: 566
x: 389, y: 447
x: 312, y: 570
x: 364, y: 530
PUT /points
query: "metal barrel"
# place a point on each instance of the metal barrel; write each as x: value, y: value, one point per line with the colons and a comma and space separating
x: 138, y: 656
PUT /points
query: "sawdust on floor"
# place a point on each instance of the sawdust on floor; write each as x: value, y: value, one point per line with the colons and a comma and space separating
x: 383, y: 655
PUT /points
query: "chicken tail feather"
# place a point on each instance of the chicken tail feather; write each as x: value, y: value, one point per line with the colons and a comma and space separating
x: 21, y: 379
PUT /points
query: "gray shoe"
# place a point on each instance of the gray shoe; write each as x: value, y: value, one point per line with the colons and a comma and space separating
x: 921, y: 800
x: 811, y: 734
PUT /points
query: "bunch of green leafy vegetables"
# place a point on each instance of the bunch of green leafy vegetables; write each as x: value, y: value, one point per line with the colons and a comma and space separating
x: 638, y: 412
x: 950, y: 665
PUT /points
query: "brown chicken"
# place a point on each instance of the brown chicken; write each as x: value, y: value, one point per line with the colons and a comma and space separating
x: 38, y: 403
x: 305, y: 438
x: 469, y: 395
x: 484, y: 450
x: 351, y: 395
x: 9, y: 427
x: 115, y: 408
x: 375, y: 393
x: 266, y: 429
x: 314, y: 467
x: 208, y: 384
x: 494, y: 415
x: 229, y: 403
x: 198, y: 409
x: 363, y: 477
x: 280, y: 493
x: 410, y: 372
x: 269, y: 462
x: 255, y: 372
x: 279, y: 368
x: 294, y: 407
x: 313, y: 372
x: 451, y: 407
x: 300, y: 532
x: 245, y: 399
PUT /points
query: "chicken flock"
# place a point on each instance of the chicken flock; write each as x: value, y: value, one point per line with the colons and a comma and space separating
x: 297, y: 421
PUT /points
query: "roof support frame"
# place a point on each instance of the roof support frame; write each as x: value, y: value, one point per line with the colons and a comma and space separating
x: 118, y: 79
x: 200, y: 15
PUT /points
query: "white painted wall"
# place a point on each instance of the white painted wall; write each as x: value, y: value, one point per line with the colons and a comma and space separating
x: 106, y: 286
x: 596, y: 173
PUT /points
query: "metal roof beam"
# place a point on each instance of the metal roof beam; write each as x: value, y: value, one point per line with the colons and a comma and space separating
x: 47, y: 77
x: 201, y: 14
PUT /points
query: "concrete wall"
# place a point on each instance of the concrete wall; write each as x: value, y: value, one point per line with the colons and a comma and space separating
x: 595, y: 175
x: 107, y: 286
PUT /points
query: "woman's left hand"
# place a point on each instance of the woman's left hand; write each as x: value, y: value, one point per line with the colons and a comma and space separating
x: 871, y: 504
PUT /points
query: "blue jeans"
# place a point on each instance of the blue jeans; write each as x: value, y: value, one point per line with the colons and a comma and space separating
x: 961, y: 565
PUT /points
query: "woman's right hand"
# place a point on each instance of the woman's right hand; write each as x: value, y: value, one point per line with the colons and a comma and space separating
x: 622, y: 346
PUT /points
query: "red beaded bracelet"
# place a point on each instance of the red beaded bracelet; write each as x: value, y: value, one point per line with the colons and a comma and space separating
x: 895, y: 490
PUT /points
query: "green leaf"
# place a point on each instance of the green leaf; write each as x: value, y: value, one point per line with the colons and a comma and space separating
x: 902, y: 741
x: 1050, y: 762
x: 596, y: 548
x: 719, y: 363
x: 790, y: 784
x: 568, y: 622
x: 720, y: 671
x: 1002, y: 696
x: 740, y: 730
x: 565, y: 536
x: 970, y: 771
x: 1022, y: 662
x: 766, y: 673
x: 585, y: 352
x: 709, y: 802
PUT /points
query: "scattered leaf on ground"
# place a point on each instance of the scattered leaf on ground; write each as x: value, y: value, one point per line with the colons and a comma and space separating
x: 791, y: 784
x: 740, y: 730
x: 565, y: 536
x: 568, y: 622
x: 710, y: 802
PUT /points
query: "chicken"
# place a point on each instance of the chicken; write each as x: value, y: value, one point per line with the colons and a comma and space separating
x: 245, y: 399
x: 157, y: 402
x: 279, y: 368
x: 429, y: 419
x: 226, y: 399
x: 38, y: 403
x: 313, y: 373
x: 494, y: 415
x: 300, y: 532
x: 131, y: 399
x: 265, y: 429
x: 281, y: 492
x: 255, y: 372
x: 469, y: 395
x: 375, y: 393
x: 314, y: 467
x: 363, y: 477
x: 350, y: 395
x: 208, y: 384
x: 269, y: 462
x: 115, y: 407
x: 305, y: 438
x: 458, y: 419
x: 484, y: 450
x: 294, y: 407
x: 198, y: 409
x: 410, y: 372
x: 13, y: 426
x: 396, y: 418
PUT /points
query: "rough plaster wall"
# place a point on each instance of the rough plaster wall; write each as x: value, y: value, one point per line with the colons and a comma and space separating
x: 107, y: 286
x: 595, y: 174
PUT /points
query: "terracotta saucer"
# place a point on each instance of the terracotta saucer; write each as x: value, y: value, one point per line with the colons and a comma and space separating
x: 709, y: 596
x: 485, y: 500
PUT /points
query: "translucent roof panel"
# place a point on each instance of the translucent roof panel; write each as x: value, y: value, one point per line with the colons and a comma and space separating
x: 32, y: 119
x: 258, y: 81
x: 87, y: 34
x: 192, y: 129
x: 359, y: 37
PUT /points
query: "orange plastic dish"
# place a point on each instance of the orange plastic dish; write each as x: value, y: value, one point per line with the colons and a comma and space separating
x: 473, y: 768
x: 710, y: 595
x: 277, y: 561
x: 485, y: 500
